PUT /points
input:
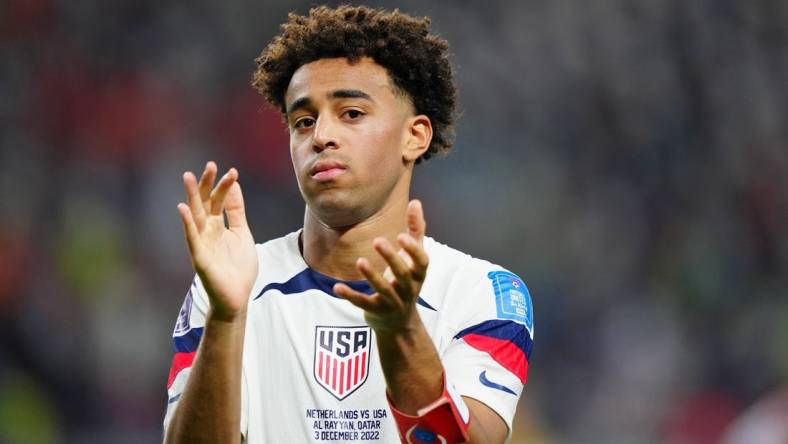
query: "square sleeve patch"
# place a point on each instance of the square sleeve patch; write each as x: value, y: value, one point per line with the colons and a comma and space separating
x: 512, y: 299
x: 182, y: 325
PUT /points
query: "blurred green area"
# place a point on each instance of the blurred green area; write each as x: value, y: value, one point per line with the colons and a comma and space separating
x: 26, y: 415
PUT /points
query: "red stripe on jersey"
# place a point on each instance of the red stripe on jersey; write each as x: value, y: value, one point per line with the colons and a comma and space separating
x: 334, y: 373
x: 179, y: 362
x: 506, y: 353
x: 363, y: 365
x: 341, y: 378
x: 327, y: 375
x: 320, y: 365
x: 325, y: 367
x: 355, y: 369
x: 348, y: 372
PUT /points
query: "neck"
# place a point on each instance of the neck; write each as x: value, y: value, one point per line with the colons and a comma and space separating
x: 334, y: 251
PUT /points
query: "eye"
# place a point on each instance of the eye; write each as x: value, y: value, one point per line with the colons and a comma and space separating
x: 304, y: 122
x: 353, y: 114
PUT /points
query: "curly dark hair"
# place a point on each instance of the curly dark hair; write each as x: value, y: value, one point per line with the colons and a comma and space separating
x: 416, y: 60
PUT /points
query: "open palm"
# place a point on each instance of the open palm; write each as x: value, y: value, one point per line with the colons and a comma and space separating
x: 224, y: 256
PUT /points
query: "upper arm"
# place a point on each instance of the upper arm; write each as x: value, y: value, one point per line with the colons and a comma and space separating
x: 487, y: 356
x: 486, y: 426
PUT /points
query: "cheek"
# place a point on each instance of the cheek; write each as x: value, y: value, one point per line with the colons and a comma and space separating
x: 297, y: 157
x: 384, y: 144
x: 296, y: 151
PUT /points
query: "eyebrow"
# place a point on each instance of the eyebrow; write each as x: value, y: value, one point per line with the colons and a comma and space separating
x: 304, y: 102
x: 299, y: 103
x: 351, y: 94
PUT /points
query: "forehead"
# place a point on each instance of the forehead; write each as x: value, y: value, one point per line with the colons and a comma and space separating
x: 323, y: 76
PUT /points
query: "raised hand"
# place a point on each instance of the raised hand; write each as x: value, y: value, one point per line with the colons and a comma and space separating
x: 393, y: 306
x: 224, y: 256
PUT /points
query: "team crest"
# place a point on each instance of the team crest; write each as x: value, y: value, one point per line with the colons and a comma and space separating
x: 342, y: 358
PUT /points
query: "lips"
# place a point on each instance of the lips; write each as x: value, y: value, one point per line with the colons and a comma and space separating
x: 326, y: 170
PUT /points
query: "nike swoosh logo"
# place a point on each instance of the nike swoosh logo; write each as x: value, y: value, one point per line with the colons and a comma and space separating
x: 483, y: 379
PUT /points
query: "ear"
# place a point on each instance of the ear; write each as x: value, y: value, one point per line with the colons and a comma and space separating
x: 418, y: 138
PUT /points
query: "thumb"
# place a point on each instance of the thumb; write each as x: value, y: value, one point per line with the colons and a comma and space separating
x: 417, y: 226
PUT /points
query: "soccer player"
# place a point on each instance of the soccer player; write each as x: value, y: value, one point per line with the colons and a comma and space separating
x: 357, y: 327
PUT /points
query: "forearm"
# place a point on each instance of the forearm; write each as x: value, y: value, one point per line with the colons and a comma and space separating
x: 414, y: 378
x: 411, y: 367
x: 209, y: 409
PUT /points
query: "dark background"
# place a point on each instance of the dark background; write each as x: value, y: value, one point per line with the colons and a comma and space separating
x: 625, y: 158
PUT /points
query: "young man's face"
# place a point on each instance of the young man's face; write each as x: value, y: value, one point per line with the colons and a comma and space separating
x: 349, y: 131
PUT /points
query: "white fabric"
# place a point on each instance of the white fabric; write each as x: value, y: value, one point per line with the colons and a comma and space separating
x: 283, y: 400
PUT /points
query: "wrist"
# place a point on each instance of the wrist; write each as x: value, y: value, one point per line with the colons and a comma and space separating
x: 446, y: 419
x: 228, y: 307
x: 404, y: 327
x: 224, y: 316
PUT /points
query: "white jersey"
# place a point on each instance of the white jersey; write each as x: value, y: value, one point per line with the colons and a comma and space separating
x: 311, y: 371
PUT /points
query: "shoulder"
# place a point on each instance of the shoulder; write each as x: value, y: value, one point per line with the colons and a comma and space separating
x: 462, y: 266
x: 279, y: 260
x: 282, y: 245
x: 282, y: 251
x: 493, y: 290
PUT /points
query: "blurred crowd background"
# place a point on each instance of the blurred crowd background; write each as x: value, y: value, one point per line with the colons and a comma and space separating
x: 626, y: 158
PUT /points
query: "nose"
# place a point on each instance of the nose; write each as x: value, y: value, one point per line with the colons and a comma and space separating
x: 324, y: 134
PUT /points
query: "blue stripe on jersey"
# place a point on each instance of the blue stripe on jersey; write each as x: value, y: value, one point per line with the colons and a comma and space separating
x: 312, y: 280
x: 188, y: 342
x: 501, y: 329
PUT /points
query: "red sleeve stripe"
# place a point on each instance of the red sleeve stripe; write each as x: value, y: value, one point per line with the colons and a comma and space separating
x: 501, y: 329
x: 504, y: 352
x: 179, y: 362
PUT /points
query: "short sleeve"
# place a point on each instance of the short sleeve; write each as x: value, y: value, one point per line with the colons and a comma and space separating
x: 491, y: 341
x: 185, y: 339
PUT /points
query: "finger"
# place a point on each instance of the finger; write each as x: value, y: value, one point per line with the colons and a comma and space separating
x: 398, y: 267
x: 417, y: 226
x: 381, y: 285
x: 189, y: 229
x: 206, y: 181
x: 193, y: 196
x: 218, y: 194
x: 357, y: 298
x: 417, y: 254
x: 234, y: 205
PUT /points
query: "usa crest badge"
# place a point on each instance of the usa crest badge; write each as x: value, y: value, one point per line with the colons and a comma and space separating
x: 342, y: 358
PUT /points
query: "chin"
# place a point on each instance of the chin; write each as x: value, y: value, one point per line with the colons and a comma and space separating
x: 337, y: 209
